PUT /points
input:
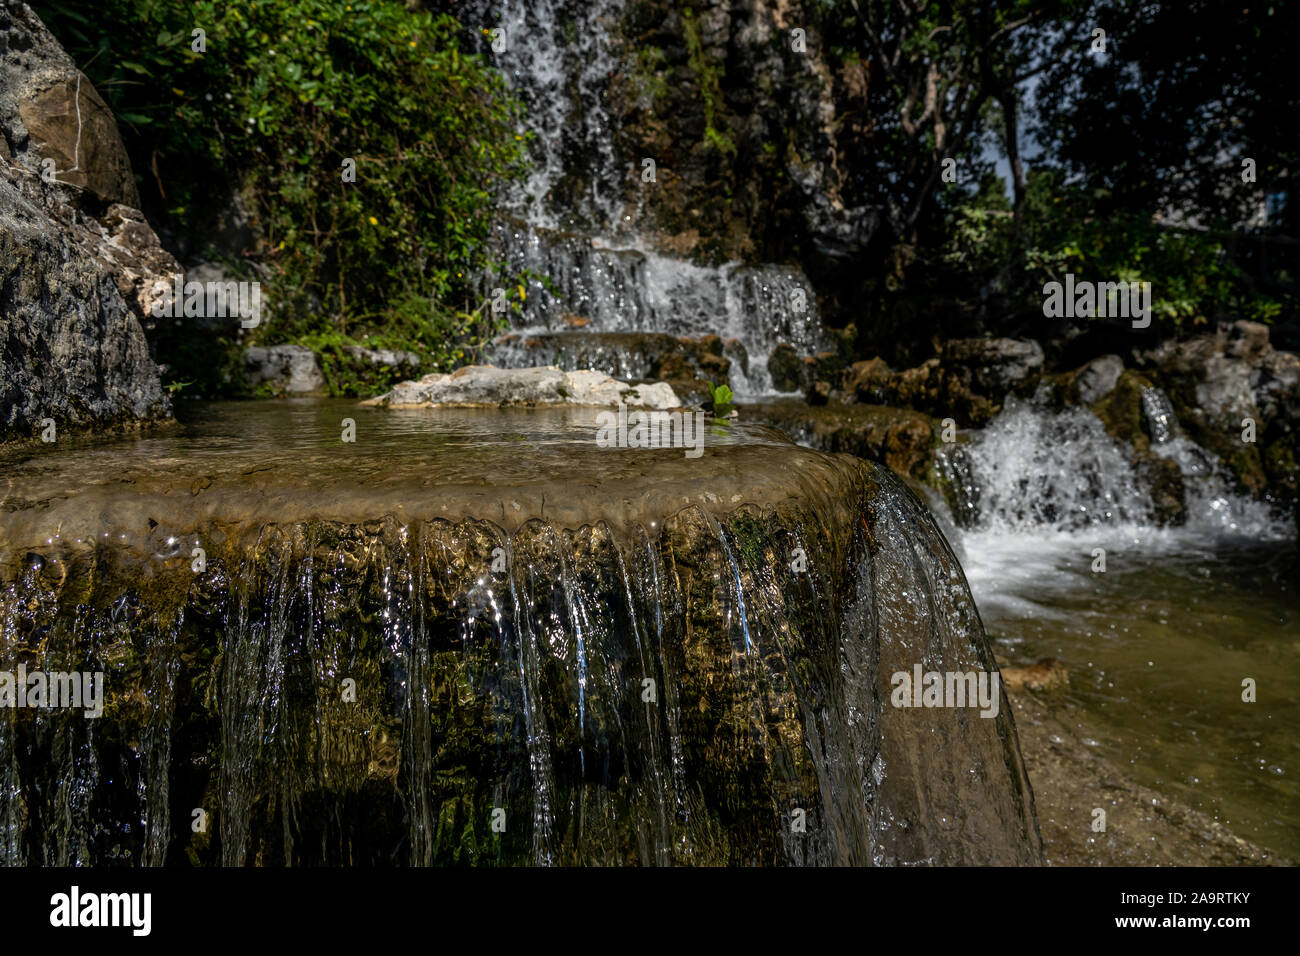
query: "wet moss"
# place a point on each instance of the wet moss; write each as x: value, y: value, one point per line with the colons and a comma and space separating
x: 1121, y: 410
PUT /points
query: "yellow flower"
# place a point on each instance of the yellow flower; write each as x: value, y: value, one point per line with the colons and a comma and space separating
x: 374, y: 221
x: 412, y: 43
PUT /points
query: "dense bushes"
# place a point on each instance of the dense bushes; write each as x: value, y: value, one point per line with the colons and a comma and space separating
x: 268, y: 104
x: 1194, y: 277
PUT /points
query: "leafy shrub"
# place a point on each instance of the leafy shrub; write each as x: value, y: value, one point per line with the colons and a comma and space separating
x: 1193, y: 277
x: 286, y: 91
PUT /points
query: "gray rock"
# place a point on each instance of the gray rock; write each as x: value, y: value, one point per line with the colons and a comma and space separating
x: 214, y: 273
x: 1277, y: 386
x: 387, y: 357
x: 1225, y: 393
x: 487, y: 385
x: 1235, y: 372
x: 71, y: 349
x: 74, y: 280
x: 290, y: 369
x: 995, y: 364
x: 1097, y: 379
x: 1219, y: 380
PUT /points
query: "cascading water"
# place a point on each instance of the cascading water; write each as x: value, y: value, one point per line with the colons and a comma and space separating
x: 630, y: 290
x: 1033, y: 470
x: 558, y: 56
x: 444, y: 655
x: 1212, y: 505
x: 1042, y: 471
x: 576, y: 216
x: 1158, y: 622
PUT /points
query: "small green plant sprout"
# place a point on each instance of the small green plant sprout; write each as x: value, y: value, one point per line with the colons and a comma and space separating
x: 721, y: 400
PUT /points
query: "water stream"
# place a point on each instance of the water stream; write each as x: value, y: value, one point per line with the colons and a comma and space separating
x: 576, y: 218
x: 475, y: 637
x: 1157, y: 644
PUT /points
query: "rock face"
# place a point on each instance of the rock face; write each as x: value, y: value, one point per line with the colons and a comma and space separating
x: 932, y: 387
x: 471, y: 617
x: 285, y: 369
x: 903, y: 440
x: 486, y: 385
x: 995, y: 365
x: 69, y: 124
x: 627, y: 355
x: 1098, y: 378
x: 76, y: 258
x: 1219, y: 384
x: 729, y: 185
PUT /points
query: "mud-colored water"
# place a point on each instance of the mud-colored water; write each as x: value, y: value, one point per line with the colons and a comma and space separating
x: 1157, y: 648
x: 1159, y: 642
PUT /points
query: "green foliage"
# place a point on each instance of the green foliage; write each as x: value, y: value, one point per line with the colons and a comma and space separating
x: 719, y: 141
x: 647, y: 75
x: 709, y: 80
x: 1193, y: 277
x: 722, y: 397
x: 285, y: 92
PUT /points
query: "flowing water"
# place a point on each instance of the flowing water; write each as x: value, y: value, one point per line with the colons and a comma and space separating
x: 640, y: 290
x: 1158, y: 644
x: 575, y: 221
x: 476, y: 637
x: 473, y: 637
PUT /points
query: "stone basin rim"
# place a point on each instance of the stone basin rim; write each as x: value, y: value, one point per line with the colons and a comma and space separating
x: 634, y: 489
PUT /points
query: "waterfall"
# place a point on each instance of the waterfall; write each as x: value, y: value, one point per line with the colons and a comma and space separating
x: 557, y: 57
x: 1040, y: 494
x: 575, y: 221
x: 1035, y: 470
x: 1045, y: 471
x: 1212, y: 504
x: 446, y: 691
x: 637, y: 290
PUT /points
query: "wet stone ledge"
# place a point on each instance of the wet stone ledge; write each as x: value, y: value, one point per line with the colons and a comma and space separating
x: 471, y: 649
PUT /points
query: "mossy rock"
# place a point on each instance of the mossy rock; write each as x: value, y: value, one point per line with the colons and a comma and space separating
x: 1121, y: 411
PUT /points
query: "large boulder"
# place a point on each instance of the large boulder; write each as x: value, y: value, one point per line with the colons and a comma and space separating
x: 71, y: 126
x: 932, y: 387
x: 901, y: 439
x: 77, y: 259
x: 625, y: 355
